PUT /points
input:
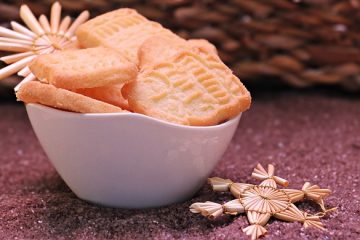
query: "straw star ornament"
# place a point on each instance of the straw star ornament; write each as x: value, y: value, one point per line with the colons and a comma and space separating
x: 261, y: 202
x: 39, y: 36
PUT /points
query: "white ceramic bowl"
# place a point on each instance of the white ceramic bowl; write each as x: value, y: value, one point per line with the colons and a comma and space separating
x: 129, y: 160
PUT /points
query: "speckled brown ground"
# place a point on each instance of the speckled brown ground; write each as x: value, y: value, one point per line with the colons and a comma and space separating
x: 310, y: 135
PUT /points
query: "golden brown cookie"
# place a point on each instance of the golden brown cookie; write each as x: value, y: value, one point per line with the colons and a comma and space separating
x: 203, y: 45
x: 109, y: 94
x: 124, y: 29
x: 157, y: 49
x: 190, y: 88
x: 46, y: 94
x: 84, y: 68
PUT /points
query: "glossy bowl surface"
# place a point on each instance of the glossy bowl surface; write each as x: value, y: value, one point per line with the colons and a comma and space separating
x: 129, y: 160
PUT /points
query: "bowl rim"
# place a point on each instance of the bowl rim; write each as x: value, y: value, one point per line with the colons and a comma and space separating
x: 130, y: 114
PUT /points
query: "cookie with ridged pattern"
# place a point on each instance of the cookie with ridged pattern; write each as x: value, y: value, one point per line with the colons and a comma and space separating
x: 187, y: 87
x: 123, y: 29
x: 157, y: 49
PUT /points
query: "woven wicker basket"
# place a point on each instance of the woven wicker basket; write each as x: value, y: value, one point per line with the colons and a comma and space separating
x: 301, y: 42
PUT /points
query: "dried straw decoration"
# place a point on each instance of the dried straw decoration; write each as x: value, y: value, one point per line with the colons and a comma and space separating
x: 40, y: 36
x: 260, y: 202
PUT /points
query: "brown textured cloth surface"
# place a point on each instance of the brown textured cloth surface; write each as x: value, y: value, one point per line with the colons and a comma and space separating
x: 309, y: 136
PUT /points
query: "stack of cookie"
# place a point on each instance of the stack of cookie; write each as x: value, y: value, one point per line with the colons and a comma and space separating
x: 127, y: 63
